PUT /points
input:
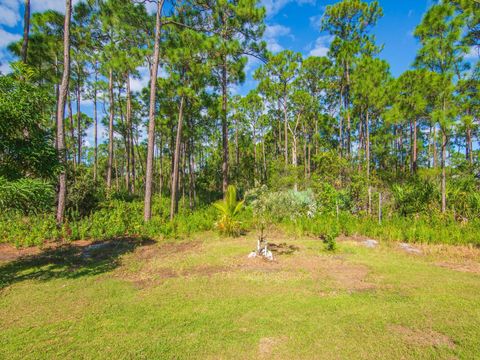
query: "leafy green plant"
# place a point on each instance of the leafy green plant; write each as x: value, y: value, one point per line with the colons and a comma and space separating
x: 229, y: 209
x: 26, y: 195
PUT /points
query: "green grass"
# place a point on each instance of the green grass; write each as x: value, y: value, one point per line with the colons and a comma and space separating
x: 201, y: 298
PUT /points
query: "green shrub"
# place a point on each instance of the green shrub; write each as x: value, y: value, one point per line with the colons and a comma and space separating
x: 229, y: 209
x: 26, y: 195
x: 288, y: 204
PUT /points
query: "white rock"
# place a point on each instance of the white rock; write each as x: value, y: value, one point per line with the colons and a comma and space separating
x: 370, y: 243
x: 410, y: 249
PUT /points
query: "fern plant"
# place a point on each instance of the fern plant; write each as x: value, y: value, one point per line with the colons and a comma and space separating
x: 229, y: 208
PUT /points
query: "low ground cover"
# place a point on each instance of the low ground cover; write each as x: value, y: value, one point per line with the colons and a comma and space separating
x: 201, y: 297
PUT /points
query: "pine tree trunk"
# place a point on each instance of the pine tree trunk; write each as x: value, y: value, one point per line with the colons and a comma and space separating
x: 468, y: 147
x: 224, y: 127
x: 26, y: 30
x: 254, y: 157
x: 285, y: 119
x: 264, y: 161
x: 174, y: 197
x: 444, y: 175
x: 340, y: 126
x: 414, y: 149
x: 367, y: 148
x: 191, y: 176
x: 79, y: 126
x: 347, y: 106
x: 62, y: 180
x: 147, y: 210
x: 434, y: 145
x: 95, y: 127
x: 115, y: 164
x: 73, y: 151
x: 237, y: 148
x: 128, y: 130
x: 160, y: 150
x: 110, y: 130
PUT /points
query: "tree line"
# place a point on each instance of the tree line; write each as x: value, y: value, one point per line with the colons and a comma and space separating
x: 187, y: 136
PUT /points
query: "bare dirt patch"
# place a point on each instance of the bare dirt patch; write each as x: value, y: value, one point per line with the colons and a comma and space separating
x: 267, y: 345
x: 345, y: 275
x: 354, y: 238
x: 422, y: 337
x: 469, y: 267
x: 166, y: 249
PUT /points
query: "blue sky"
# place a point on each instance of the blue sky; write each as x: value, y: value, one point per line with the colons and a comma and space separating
x: 291, y: 24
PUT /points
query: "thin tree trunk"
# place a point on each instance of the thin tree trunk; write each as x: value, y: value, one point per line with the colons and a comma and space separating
x: 173, y: 199
x: 285, y: 119
x: 160, y: 150
x: 191, y: 176
x: 444, y: 176
x: 254, y: 157
x: 147, y: 210
x: 264, y: 161
x: 414, y: 149
x: 367, y: 145
x: 468, y: 147
x: 62, y: 180
x: 340, y: 127
x: 115, y: 163
x: 237, y: 148
x: 110, y: 130
x: 95, y: 127
x: 224, y: 127
x: 347, y: 106
x: 26, y: 30
x: 79, y: 127
x: 73, y: 152
x: 128, y: 129
x: 434, y: 145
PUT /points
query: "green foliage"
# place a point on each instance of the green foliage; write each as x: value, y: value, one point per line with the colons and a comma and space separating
x: 429, y: 229
x: 415, y: 196
x: 329, y: 241
x: 26, y: 195
x: 280, y: 205
x: 84, y: 194
x: 26, y: 143
x: 229, y: 208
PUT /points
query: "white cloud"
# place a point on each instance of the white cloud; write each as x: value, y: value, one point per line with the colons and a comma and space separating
x: 137, y: 84
x: 322, y: 46
x: 9, y: 13
x: 274, y: 6
x: 316, y: 21
x: 272, y: 34
x: 6, y: 38
x: 5, y: 68
x: 57, y: 5
x: 473, y: 53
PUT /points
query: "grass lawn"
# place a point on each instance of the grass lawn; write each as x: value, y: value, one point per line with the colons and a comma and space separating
x: 202, y: 298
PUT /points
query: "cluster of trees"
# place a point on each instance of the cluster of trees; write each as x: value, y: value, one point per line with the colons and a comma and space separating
x: 309, y: 119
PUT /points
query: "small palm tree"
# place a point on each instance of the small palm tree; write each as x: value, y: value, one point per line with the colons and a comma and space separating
x: 229, y: 209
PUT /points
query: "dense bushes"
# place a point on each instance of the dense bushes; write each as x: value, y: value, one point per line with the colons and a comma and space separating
x: 113, y: 218
x: 281, y: 205
x: 26, y: 195
x: 433, y: 229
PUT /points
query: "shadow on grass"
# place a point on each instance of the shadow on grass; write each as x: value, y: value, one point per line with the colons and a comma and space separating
x: 69, y: 261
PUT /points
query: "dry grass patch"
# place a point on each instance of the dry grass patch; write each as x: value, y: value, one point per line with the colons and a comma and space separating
x: 422, y: 338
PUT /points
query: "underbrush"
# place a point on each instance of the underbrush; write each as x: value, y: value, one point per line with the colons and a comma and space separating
x: 116, y: 218
x: 430, y: 230
x: 112, y: 219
